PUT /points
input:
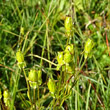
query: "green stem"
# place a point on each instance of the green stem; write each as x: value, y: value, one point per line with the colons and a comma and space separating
x: 16, y: 82
x: 27, y: 84
x: 76, y: 101
x: 80, y: 70
x: 34, y: 99
x: 88, y: 95
x: 38, y: 97
x: 43, y: 59
x: 77, y: 74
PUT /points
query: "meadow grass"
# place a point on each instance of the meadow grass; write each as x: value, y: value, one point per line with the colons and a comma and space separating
x: 34, y: 40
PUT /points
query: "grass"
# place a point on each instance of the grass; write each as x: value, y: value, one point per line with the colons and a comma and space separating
x: 37, y: 29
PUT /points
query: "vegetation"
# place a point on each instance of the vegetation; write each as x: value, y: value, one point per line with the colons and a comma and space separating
x: 54, y: 54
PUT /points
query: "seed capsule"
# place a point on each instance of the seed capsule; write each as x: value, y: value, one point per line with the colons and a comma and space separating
x: 6, y: 97
x: 22, y: 30
x: 68, y: 25
x: 39, y: 77
x: 33, y: 75
x: 68, y: 56
x: 60, y: 60
x: 70, y: 68
x: 51, y: 86
x: 70, y: 48
x: 33, y: 78
x: 88, y: 47
x: 6, y: 94
x: 19, y: 57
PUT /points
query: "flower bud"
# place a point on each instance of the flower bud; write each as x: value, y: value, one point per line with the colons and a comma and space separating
x: 68, y: 25
x: 88, y: 47
x: 51, y: 86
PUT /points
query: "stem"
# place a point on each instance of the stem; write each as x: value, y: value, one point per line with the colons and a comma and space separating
x: 38, y: 97
x: 1, y: 105
x: 88, y: 95
x: 76, y: 76
x: 17, y: 77
x: 34, y: 97
x: 80, y: 69
x: 27, y: 84
x: 43, y: 59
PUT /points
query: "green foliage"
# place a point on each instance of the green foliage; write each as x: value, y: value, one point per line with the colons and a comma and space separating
x: 54, y: 54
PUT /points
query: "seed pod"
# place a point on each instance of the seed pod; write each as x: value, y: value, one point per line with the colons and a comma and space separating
x: 68, y: 25
x: 70, y: 48
x: 22, y: 30
x: 68, y: 56
x: 33, y: 78
x: 33, y: 75
x: 6, y: 94
x: 19, y: 57
x: 88, y: 47
x: 60, y: 60
x: 70, y: 68
x: 6, y: 97
x: 39, y: 77
x: 51, y: 86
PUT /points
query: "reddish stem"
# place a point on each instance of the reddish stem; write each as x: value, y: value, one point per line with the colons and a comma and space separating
x: 107, y: 43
